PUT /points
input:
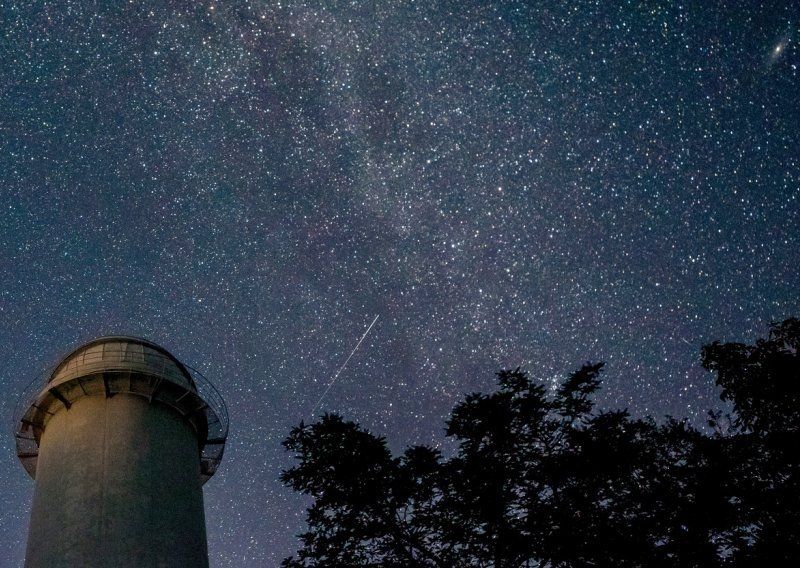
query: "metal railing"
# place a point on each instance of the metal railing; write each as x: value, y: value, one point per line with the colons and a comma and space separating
x: 213, y: 407
x: 218, y: 423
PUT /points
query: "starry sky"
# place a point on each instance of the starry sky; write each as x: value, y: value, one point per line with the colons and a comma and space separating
x: 250, y: 183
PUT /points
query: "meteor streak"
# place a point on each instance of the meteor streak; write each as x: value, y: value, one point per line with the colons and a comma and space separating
x: 339, y: 372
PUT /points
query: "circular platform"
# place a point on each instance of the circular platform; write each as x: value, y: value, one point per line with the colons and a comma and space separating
x: 115, y: 365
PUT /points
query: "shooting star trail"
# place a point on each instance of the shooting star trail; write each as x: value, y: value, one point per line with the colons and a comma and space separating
x: 339, y: 372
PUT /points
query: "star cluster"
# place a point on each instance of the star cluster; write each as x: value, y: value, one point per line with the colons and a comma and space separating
x: 503, y: 183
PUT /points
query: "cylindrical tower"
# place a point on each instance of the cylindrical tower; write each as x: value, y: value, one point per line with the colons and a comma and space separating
x: 120, y: 438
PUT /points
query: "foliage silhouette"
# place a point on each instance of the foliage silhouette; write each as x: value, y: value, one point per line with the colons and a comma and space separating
x: 542, y: 479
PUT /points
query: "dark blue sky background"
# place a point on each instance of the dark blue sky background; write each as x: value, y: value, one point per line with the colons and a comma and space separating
x: 502, y: 183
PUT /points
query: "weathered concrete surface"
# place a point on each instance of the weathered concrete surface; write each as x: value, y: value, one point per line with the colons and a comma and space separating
x: 117, y: 485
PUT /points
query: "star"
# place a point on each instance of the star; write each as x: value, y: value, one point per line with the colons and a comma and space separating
x: 249, y: 184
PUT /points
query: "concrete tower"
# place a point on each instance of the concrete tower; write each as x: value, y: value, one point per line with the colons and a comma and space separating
x: 120, y: 438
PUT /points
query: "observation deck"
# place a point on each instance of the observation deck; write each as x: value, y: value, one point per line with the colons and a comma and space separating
x: 114, y: 365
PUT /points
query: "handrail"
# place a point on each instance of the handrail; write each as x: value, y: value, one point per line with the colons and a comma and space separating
x: 215, y: 410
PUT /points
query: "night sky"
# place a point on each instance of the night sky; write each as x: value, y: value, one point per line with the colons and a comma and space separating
x: 501, y: 183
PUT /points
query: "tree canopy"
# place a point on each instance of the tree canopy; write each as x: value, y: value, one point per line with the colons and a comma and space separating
x: 540, y: 478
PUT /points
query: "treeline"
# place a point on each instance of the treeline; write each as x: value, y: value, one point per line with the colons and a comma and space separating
x: 543, y: 479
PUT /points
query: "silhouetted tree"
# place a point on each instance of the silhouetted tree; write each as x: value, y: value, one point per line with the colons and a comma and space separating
x: 761, y: 452
x: 541, y: 479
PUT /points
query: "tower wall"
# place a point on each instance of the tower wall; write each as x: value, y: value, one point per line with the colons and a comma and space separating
x: 118, y: 483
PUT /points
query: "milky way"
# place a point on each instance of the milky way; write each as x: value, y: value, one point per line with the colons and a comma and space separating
x: 503, y: 183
